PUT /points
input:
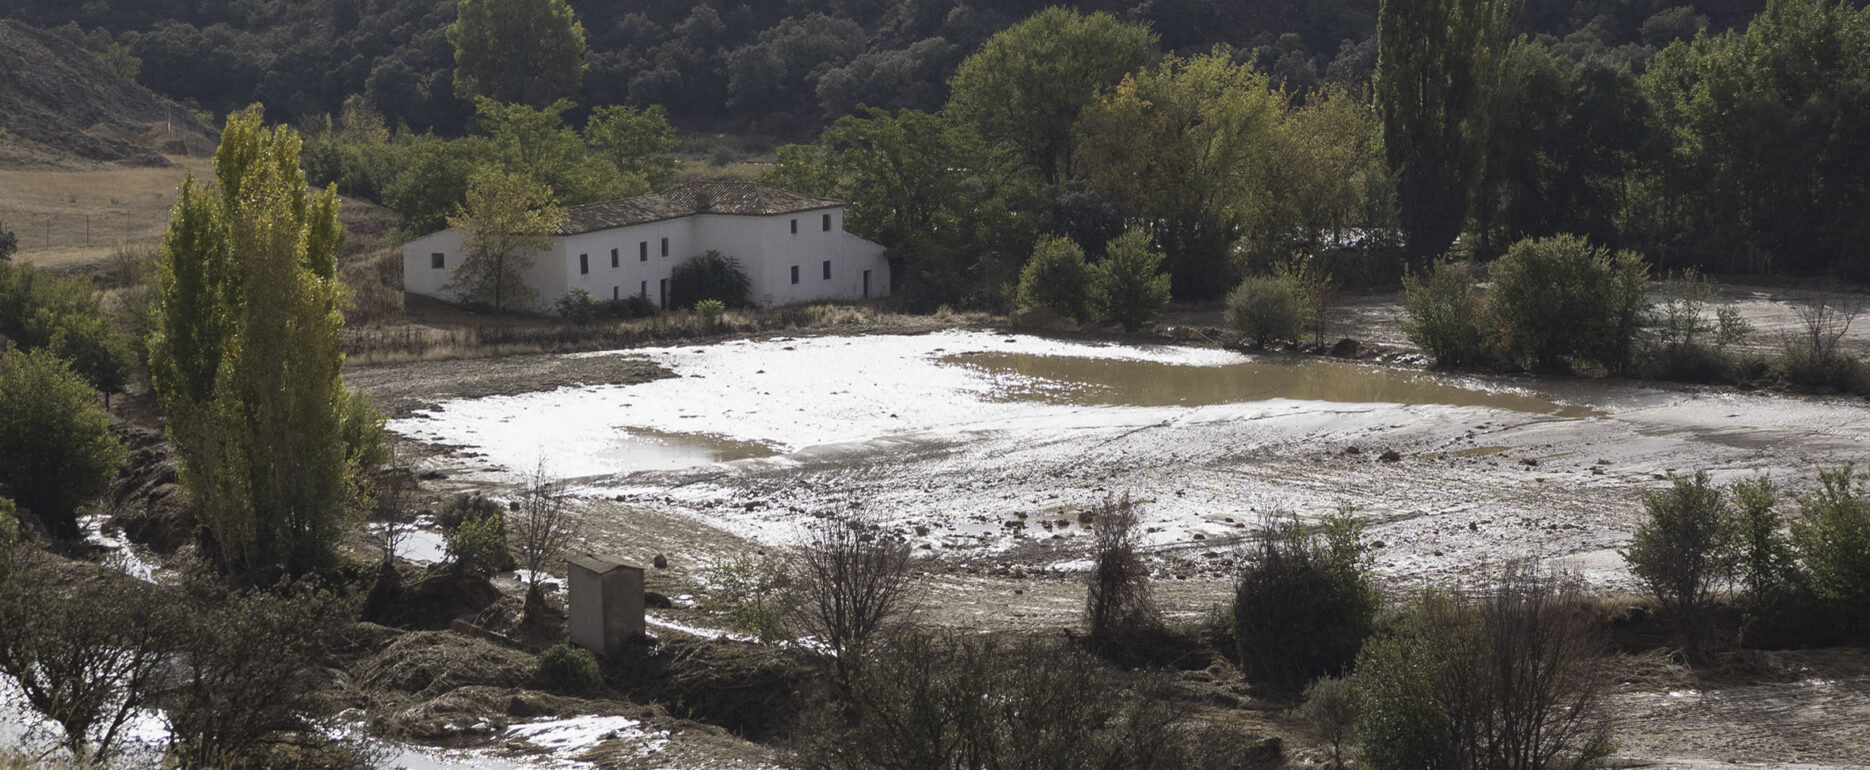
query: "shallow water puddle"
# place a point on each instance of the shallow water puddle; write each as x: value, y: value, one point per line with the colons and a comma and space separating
x: 645, y: 449
x: 1123, y: 382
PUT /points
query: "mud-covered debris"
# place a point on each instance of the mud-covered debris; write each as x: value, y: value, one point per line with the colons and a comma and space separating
x: 1389, y: 456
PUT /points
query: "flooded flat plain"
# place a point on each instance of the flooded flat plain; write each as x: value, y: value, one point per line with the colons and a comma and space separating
x: 982, y: 448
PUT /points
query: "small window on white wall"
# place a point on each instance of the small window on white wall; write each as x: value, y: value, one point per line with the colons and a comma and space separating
x: 827, y: 269
x: 438, y: 261
x: 795, y: 227
x: 584, y: 264
x: 613, y: 258
x: 827, y: 223
x: 795, y: 273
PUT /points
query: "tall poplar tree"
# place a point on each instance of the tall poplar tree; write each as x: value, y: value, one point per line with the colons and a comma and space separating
x: 1437, y: 65
x: 245, y: 358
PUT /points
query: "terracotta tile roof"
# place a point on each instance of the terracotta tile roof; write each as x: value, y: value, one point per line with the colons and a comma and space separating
x: 711, y: 197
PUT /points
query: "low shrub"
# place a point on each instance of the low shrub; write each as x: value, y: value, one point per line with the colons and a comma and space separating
x: 1812, y: 357
x: 1684, y: 551
x: 1445, y: 314
x: 758, y: 594
x: 1268, y: 308
x: 1558, y: 302
x: 1765, y: 563
x: 474, y: 531
x: 710, y: 309
x: 1304, y: 601
x: 577, y: 306
x: 1330, y: 707
x: 1056, y: 278
x: 1511, y: 677
x: 572, y: 670
x: 711, y: 275
x: 1686, y: 343
x: 9, y: 531
x: 1128, y: 286
x: 1831, y: 539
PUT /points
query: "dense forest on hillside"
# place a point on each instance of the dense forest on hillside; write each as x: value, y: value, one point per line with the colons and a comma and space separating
x: 784, y: 69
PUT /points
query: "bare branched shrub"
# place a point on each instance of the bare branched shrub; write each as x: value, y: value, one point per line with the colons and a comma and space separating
x: 1509, y: 679
x: 1118, y: 607
x: 242, y: 694
x: 1811, y: 357
x: 856, y: 583
x: 545, y: 525
x: 979, y: 701
x: 86, y: 655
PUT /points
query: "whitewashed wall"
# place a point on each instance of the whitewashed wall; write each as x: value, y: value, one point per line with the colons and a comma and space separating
x: 766, y: 247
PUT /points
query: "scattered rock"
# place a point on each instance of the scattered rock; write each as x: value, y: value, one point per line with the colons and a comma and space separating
x: 1389, y: 456
x: 660, y: 562
x: 657, y: 601
x: 1345, y: 348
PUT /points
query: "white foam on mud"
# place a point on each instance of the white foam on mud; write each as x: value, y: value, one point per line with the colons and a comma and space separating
x: 788, y: 394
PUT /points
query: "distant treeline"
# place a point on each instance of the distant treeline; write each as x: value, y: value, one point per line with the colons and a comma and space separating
x: 783, y: 69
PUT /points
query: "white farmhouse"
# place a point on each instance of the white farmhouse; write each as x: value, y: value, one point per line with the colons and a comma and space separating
x: 792, y: 246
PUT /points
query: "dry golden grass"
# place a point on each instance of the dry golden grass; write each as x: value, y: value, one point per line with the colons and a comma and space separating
x: 519, y: 336
x: 79, y: 217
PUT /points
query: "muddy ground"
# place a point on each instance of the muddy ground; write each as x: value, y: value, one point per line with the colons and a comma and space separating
x: 992, y: 495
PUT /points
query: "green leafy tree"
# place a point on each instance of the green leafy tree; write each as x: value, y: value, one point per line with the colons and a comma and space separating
x: 507, y: 218
x: 246, y: 358
x: 637, y: 142
x: 517, y: 51
x: 951, y: 211
x: 56, y: 450
x: 63, y: 314
x: 1437, y: 65
x: 9, y: 243
x: 1025, y: 87
x: 1186, y: 149
x: 1335, y: 191
x: 1128, y: 286
x: 1765, y: 165
x: 1058, y: 280
x: 536, y: 142
x: 430, y: 180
